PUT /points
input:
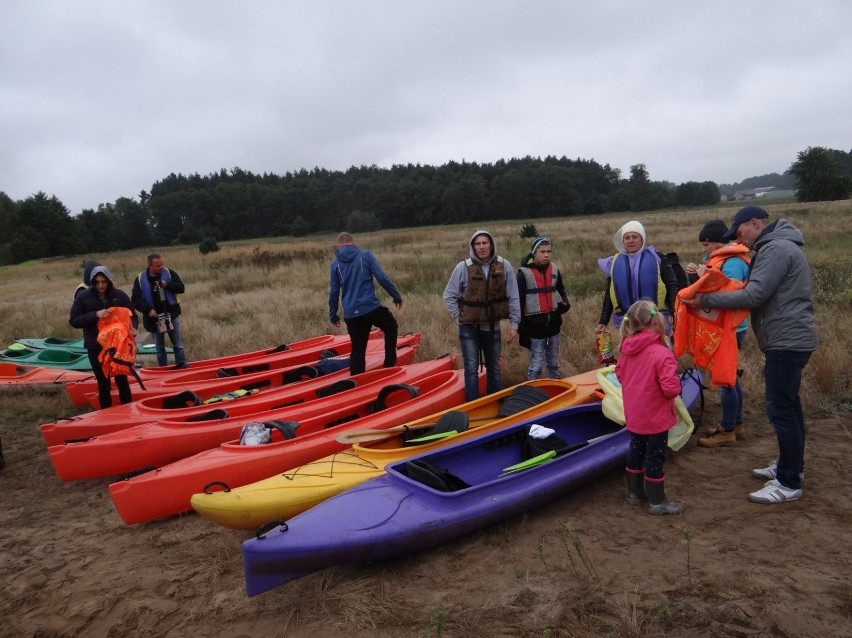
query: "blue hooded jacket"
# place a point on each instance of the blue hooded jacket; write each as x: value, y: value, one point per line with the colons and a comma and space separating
x: 352, y: 272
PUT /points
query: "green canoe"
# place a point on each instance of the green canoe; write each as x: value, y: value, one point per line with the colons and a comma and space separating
x: 71, y: 345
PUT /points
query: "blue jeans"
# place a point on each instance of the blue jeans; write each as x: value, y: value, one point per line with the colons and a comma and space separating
x: 177, y: 344
x: 732, y: 398
x: 782, y: 373
x: 474, y: 341
x: 542, y: 350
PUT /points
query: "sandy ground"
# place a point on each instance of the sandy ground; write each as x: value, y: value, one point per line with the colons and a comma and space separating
x: 726, y: 567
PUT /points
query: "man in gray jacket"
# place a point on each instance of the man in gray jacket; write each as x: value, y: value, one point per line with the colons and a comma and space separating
x: 780, y: 296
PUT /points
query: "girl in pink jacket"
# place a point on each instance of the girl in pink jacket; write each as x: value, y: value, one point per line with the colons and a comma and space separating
x: 647, y: 370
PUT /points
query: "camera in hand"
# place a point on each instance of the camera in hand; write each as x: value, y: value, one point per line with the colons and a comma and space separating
x: 164, y: 322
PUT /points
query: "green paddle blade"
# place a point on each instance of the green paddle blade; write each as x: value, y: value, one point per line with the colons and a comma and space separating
x: 533, y: 462
x: 432, y: 437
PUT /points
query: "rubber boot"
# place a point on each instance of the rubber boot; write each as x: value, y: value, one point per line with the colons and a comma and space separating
x: 657, y: 502
x: 636, y: 488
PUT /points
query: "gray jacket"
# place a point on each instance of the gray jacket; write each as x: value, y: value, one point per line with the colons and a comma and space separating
x: 779, y: 292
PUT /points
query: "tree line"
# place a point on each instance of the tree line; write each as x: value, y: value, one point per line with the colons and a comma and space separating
x: 238, y: 204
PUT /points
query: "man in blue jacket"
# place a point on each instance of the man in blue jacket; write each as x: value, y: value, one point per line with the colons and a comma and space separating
x: 352, y: 272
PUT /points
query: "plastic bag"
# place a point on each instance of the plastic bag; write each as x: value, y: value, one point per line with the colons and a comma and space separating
x: 254, y: 433
x: 606, y: 354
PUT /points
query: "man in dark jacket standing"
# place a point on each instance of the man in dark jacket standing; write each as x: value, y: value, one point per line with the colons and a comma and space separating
x: 543, y: 302
x: 352, y: 272
x: 154, y: 295
x: 780, y: 295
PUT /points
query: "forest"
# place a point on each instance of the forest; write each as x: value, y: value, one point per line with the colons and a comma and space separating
x: 238, y: 204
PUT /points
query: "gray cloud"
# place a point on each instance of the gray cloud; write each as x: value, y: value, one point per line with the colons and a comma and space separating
x: 100, y: 99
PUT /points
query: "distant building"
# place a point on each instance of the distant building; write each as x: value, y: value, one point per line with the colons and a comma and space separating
x: 754, y: 193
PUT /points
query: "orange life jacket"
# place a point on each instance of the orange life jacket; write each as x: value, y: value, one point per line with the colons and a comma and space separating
x: 115, y: 334
x: 723, y: 253
x: 710, y: 337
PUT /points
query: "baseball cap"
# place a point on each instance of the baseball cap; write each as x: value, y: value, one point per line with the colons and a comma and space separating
x: 743, y: 215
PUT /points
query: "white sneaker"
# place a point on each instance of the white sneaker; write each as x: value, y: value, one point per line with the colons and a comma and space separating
x: 766, y: 473
x: 769, y: 473
x: 774, y: 492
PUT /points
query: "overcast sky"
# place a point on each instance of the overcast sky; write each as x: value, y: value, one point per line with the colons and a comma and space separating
x: 99, y: 99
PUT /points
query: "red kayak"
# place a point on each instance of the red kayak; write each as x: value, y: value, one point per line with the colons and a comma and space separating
x: 157, y: 444
x: 167, y: 490
x: 196, y: 378
x: 189, y: 403
x: 13, y: 375
x: 152, y: 376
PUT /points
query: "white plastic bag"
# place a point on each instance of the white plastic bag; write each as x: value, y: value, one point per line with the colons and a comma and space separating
x: 254, y: 433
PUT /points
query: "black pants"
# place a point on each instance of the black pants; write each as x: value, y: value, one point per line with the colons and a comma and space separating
x: 359, y: 333
x: 104, y: 397
x: 648, y: 452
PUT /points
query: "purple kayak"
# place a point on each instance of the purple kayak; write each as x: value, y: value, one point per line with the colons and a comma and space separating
x: 490, y: 478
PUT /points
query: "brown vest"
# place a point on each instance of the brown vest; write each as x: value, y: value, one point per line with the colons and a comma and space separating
x: 484, y: 300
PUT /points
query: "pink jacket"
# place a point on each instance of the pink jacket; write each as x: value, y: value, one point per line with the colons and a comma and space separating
x: 647, y: 370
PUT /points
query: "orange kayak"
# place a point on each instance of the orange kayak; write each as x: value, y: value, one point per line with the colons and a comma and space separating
x: 13, y: 375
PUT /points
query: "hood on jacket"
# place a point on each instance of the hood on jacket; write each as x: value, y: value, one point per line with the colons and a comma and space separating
x: 101, y: 270
x: 629, y: 227
x: 87, y: 271
x: 476, y: 234
x: 347, y: 252
x: 640, y: 341
x: 781, y: 229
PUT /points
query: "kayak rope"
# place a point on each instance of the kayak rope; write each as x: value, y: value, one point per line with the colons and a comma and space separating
x: 353, y: 460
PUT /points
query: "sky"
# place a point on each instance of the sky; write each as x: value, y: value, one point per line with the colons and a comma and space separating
x: 101, y: 99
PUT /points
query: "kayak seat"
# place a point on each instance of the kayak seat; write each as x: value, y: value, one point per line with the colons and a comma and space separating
x: 185, y: 399
x: 522, y: 397
x: 381, y: 400
x: 433, y: 476
x: 212, y: 415
x: 329, y: 353
x: 287, y: 428
x: 336, y: 387
x: 452, y: 421
x: 534, y: 447
x: 300, y: 374
x: 222, y: 373
x: 279, y: 348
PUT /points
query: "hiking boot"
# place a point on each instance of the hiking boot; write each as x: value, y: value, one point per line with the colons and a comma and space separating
x: 774, y: 492
x: 769, y: 473
x: 657, y: 502
x: 718, y: 438
x: 739, y: 430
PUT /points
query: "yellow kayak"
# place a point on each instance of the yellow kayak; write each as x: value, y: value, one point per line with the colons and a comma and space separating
x: 285, y: 495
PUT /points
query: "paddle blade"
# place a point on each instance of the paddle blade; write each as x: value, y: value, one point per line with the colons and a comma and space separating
x: 363, y: 436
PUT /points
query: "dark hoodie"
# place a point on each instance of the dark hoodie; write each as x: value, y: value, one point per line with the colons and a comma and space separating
x: 88, y: 302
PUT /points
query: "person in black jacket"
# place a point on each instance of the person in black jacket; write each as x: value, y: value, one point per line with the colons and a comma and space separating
x: 154, y: 295
x: 90, y: 305
x: 543, y: 302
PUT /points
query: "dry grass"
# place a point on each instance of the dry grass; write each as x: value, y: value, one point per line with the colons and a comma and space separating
x: 251, y: 295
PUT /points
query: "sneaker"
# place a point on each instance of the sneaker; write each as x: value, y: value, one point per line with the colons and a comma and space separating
x: 769, y: 473
x: 766, y: 473
x: 774, y: 492
x: 740, y: 432
x: 718, y: 438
